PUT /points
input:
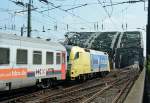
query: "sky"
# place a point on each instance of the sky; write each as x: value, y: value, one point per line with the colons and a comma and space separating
x: 79, y: 19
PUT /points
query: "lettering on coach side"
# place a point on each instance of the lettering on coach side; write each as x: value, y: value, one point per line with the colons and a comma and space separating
x: 19, y: 73
x: 6, y: 74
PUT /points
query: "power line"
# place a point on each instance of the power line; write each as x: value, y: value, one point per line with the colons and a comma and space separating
x: 56, y: 7
x: 50, y: 8
x: 38, y: 12
x: 111, y: 7
x: 28, y: 5
x: 109, y: 15
x: 104, y: 8
x: 129, y: 2
x: 52, y: 18
x: 76, y: 7
x: 77, y: 16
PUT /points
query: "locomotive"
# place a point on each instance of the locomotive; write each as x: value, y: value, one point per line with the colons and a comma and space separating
x: 86, y: 63
x: 32, y: 61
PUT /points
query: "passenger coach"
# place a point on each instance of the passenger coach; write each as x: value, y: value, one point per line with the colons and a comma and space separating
x: 27, y: 61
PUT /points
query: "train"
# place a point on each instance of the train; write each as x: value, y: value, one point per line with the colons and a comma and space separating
x: 85, y: 63
x: 27, y: 62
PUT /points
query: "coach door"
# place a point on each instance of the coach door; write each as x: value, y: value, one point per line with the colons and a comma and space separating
x: 63, y: 66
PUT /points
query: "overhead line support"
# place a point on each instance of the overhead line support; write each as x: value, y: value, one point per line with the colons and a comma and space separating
x: 29, y: 20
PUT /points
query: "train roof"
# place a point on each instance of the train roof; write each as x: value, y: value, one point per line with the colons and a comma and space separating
x: 12, y: 39
x: 90, y: 50
x: 98, y: 52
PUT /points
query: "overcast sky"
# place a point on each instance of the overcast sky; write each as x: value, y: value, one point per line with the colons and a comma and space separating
x: 79, y: 19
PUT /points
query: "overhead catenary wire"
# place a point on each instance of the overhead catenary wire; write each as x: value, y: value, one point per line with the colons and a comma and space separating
x: 111, y: 7
x: 77, y: 16
x: 44, y: 14
x: 56, y: 21
x: 67, y: 12
x: 127, y: 2
x: 76, y: 7
x: 107, y: 13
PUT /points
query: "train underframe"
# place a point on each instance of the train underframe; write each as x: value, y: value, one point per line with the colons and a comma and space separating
x: 83, y: 77
x: 8, y: 85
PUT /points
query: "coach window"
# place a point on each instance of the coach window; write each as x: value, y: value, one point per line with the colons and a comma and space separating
x: 4, y: 55
x: 22, y: 56
x: 58, y: 58
x: 63, y: 58
x: 37, y: 57
x: 49, y: 57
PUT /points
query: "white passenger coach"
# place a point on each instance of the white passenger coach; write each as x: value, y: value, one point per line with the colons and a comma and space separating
x: 30, y: 61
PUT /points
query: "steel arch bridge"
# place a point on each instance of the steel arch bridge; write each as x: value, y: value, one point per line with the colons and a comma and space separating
x: 124, y: 48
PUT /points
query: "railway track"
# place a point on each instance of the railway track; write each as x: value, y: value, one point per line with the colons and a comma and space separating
x: 114, y: 93
x: 79, y: 92
x: 110, y: 93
